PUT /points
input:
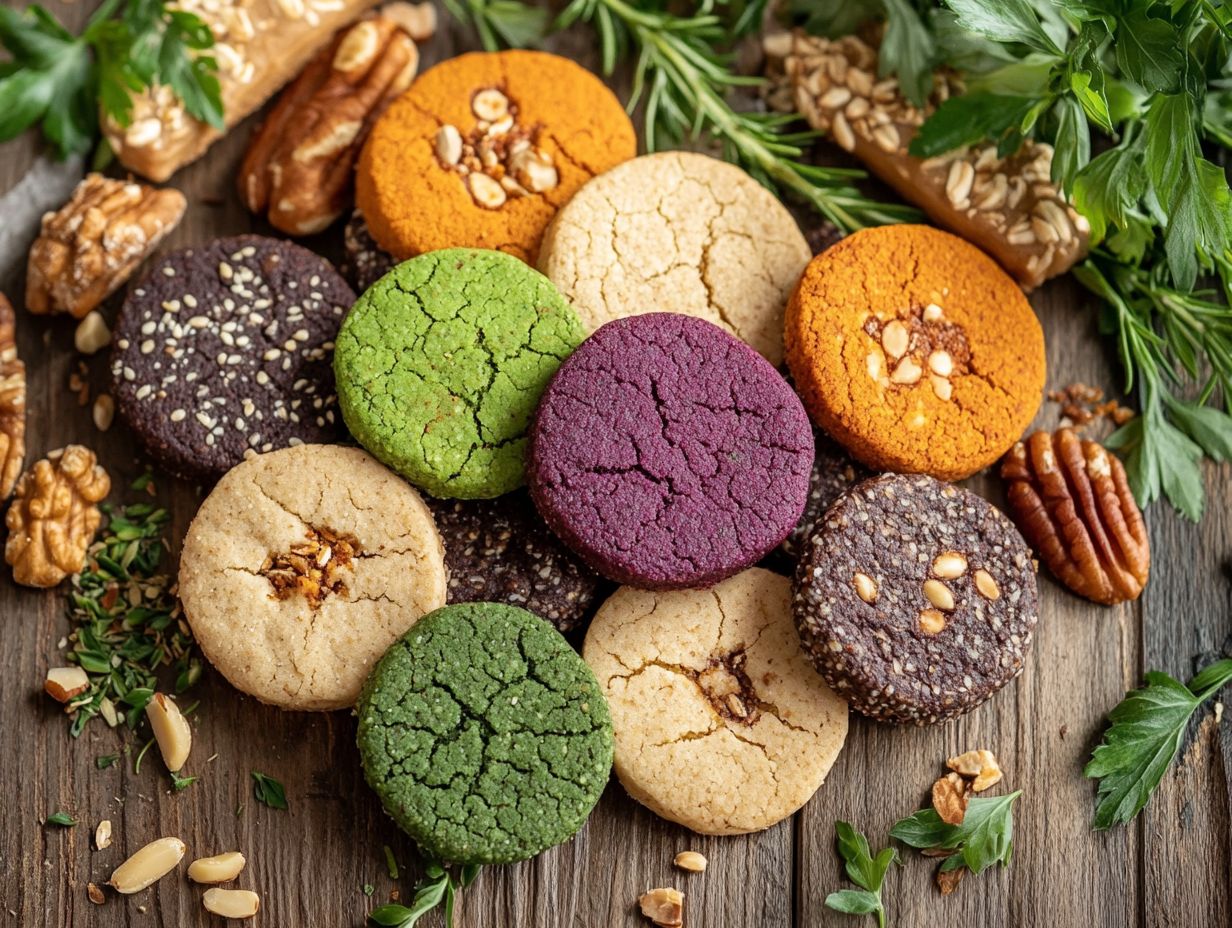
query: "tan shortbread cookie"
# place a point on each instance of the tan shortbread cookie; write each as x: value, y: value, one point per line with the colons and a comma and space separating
x: 302, y: 567
x: 721, y: 723
x: 683, y: 233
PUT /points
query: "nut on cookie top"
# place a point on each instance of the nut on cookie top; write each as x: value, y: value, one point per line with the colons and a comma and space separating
x: 915, y: 599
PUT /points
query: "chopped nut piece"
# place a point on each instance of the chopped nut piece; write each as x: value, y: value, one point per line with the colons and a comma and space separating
x: 948, y: 880
x: 949, y: 566
x: 95, y: 242
x: 487, y: 192
x: 449, y: 145
x: 664, y: 907
x: 940, y: 363
x: 907, y: 372
x: 220, y: 868
x: 939, y: 595
x: 950, y: 795
x: 102, y: 835
x: 103, y: 412
x: 92, y: 334
x: 12, y: 402
x: 942, y: 387
x: 986, y: 584
x: 53, y: 517
x: 866, y: 587
x: 231, y: 903
x: 63, y: 683
x: 95, y: 894
x: 171, y: 730
x: 691, y: 861
x: 932, y: 313
x: 490, y: 105
x: 314, y: 568
x: 148, y: 865
x: 932, y: 622
x: 418, y: 20
x: 980, y: 765
x: 895, y: 338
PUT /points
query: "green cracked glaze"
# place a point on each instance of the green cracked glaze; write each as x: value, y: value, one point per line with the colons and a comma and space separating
x: 485, y: 734
x: 441, y: 362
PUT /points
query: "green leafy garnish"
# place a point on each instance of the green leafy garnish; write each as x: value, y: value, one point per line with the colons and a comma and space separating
x: 440, y: 886
x: 1144, y: 738
x: 180, y: 783
x: 103, y: 761
x: 269, y: 791
x: 63, y: 819
x: 367, y: 889
x: 863, y: 869
x: 391, y: 865
x: 127, y: 624
x: 985, y: 836
x: 61, y: 81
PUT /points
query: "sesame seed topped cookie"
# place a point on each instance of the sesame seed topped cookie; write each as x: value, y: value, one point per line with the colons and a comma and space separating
x: 226, y: 348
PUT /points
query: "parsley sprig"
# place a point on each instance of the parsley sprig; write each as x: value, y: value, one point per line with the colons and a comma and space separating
x: 682, y: 75
x: 61, y: 81
x: 985, y: 836
x: 863, y: 869
x: 269, y: 792
x: 440, y: 887
x: 1144, y: 738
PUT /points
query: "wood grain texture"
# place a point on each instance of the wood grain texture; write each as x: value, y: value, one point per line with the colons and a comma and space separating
x: 1172, y: 867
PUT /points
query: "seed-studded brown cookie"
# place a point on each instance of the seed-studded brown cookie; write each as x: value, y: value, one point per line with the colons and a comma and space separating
x: 915, y: 599
x: 834, y: 472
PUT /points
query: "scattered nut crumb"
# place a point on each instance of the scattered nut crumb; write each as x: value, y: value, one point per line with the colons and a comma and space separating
x: 1082, y: 404
x: 664, y: 907
x: 980, y: 765
x: 950, y: 795
x: 102, y: 835
x: 948, y: 880
x: 691, y: 861
x: 95, y: 894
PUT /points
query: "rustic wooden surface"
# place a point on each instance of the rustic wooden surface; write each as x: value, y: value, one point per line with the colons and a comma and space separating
x: 1171, y: 867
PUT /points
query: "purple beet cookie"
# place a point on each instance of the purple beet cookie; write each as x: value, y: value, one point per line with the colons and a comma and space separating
x: 669, y: 454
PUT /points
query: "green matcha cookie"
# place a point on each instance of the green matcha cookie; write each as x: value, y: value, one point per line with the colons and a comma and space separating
x: 441, y: 362
x: 485, y: 735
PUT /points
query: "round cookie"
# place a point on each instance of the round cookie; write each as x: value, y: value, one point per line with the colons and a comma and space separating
x: 720, y: 722
x: 225, y: 348
x: 485, y: 735
x: 915, y: 351
x: 915, y: 599
x: 441, y: 362
x: 364, y: 261
x: 501, y: 551
x: 669, y: 454
x: 834, y: 472
x: 679, y: 232
x: 301, y: 567
x: 484, y: 149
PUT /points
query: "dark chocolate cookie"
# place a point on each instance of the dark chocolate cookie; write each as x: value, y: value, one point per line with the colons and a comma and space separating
x: 915, y: 599
x: 226, y: 348
x: 365, y: 261
x: 500, y: 550
x: 834, y: 472
x: 668, y: 453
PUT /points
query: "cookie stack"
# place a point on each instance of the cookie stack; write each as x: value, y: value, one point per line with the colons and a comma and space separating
x: 563, y: 370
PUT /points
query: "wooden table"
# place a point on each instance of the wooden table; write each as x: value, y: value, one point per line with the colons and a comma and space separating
x: 1173, y: 866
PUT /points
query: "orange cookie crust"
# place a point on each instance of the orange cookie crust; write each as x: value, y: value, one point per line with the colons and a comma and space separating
x: 915, y: 350
x: 484, y: 149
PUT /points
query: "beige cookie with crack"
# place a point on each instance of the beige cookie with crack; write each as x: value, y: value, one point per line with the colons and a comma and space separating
x: 302, y: 567
x: 720, y: 721
x: 683, y: 233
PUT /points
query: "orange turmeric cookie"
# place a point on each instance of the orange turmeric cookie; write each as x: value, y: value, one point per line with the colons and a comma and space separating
x: 482, y: 151
x: 915, y: 350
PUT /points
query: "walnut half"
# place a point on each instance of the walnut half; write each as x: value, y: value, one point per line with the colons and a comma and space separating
x: 54, y: 516
x: 94, y: 242
x: 1071, y: 500
x: 12, y: 401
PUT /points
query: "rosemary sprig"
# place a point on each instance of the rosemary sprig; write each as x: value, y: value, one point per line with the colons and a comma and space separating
x: 126, y: 620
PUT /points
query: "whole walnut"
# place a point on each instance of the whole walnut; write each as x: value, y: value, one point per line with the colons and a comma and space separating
x: 54, y: 516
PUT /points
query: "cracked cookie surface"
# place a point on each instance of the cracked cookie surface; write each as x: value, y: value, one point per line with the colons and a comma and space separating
x: 678, y: 232
x: 669, y: 454
x: 440, y: 365
x: 266, y: 603
x: 415, y: 203
x: 485, y: 735
x: 915, y: 599
x: 721, y: 723
x: 915, y: 351
x: 225, y: 348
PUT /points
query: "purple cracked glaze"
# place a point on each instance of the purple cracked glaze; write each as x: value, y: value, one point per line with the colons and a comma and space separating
x: 668, y: 453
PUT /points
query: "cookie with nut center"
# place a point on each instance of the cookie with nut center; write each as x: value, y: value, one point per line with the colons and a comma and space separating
x: 915, y: 351
x: 915, y: 599
x: 721, y: 724
x: 302, y: 567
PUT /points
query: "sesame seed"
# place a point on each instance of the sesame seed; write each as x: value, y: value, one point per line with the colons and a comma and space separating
x: 177, y: 415
x: 147, y: 346
x: 272, y: 354
x: 169, y: 271
x: 224, y: 270
x: 190, y: 301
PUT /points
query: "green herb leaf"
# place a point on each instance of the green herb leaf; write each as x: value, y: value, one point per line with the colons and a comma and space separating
x: 1144, y: 738
x: 103, y: 761
x: 391, y: 865
x: 863, y: 869
x: 907, y: 51
x: 1004, y: 21
x: 368, y: 889
x: 63, y: 819
x: 985, y: 837
x: 971, y: 118
x: 181, y: 783
x: 269, y: 791
x: 1148, y: 50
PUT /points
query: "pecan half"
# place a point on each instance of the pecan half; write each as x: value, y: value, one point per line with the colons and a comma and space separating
x: 1072, y: 502
x: 94, y: 242
x: 299, y: 166
x: 12, y: 401
x: 54, y: 516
